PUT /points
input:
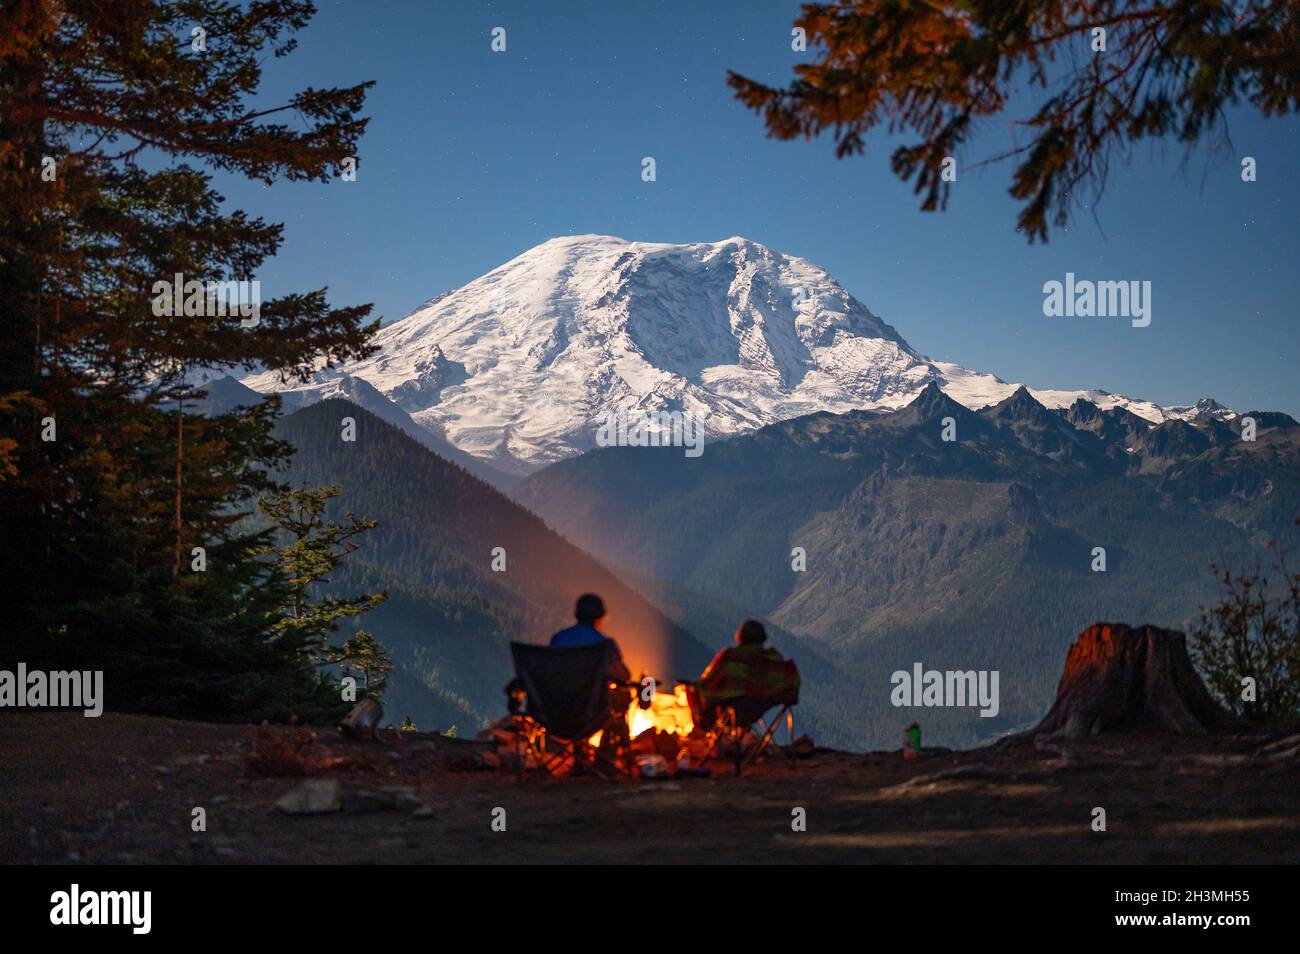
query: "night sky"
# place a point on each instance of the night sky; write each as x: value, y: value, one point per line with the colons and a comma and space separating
x: 474, y: 156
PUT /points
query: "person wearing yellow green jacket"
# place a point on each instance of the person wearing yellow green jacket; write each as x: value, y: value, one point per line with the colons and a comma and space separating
x: 749, y: 670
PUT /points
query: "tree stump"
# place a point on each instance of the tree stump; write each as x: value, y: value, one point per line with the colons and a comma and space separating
x: 363, y: 721
x: 1118, y: 678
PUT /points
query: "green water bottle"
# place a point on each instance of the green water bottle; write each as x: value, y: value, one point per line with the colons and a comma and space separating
x: 912, y: 741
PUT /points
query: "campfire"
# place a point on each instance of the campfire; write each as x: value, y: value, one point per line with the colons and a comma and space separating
x: 662, y: 733
x: 669, y: 712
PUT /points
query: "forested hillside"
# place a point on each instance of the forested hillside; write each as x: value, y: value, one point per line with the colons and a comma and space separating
x: 450, y: 615
x: 975, y: 553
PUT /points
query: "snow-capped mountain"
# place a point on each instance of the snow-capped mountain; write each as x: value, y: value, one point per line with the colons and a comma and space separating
x: 521, y: 366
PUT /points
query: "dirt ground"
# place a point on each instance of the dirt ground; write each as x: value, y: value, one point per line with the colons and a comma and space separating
x: 122, y: 789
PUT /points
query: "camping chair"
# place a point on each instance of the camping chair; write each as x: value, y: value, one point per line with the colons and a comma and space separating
x: 731, y: 717
x: 563, y: 694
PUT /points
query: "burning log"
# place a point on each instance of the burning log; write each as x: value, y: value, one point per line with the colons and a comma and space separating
x: 1118, y: 678
x: 668, y: 712
x: 656, y: 742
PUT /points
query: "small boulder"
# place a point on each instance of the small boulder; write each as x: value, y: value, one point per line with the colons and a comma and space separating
x: 363, y: 802
x: 314, y: 796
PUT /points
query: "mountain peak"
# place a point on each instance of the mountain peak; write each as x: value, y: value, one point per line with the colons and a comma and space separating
x: 1083, y: 410
x: 1209, y: 409
x: 1055, y: 435
x: 597, y: 239
x: 1206, y: 409
x: 582, y: 238
x: 520, y: 367
x: 930, y: 405
x: 1021, y: 405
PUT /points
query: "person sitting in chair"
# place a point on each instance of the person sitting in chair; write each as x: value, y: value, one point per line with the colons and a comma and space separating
x: 739, y: 686
x: 745, y: 670
x: 589, y: 612
x: 590, y: 615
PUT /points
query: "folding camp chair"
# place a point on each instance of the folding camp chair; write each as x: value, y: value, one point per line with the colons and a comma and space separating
x: 729, y: 719
x: 564, y: 695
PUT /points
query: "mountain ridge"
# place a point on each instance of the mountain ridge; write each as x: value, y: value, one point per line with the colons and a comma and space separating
x: 880, y: 543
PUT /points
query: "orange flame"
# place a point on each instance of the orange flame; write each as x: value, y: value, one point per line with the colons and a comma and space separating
x: 668, y: 712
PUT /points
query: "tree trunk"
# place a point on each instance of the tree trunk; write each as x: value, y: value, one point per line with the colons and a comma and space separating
x: 1119, y: 679
x: 180, y: 457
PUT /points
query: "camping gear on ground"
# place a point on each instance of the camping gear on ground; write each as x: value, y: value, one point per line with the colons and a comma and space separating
x: 652, y: 766
x: 738, y: 696
x: 564, y: 695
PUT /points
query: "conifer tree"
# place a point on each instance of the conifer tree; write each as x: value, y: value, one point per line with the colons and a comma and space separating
x: 1111, y: 73
x: 313, y: 547
x: 130, y: 551
x: 364, y: 655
